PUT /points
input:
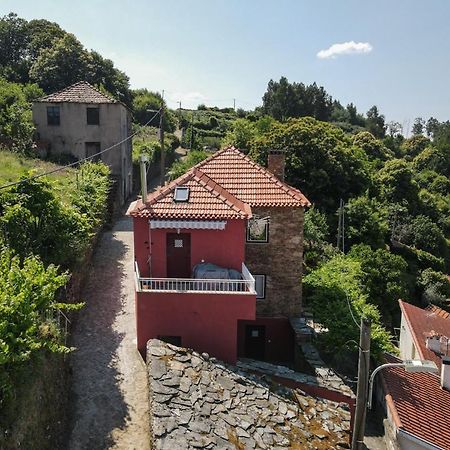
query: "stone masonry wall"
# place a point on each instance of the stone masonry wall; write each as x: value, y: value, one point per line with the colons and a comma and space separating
x: 198, y: 402
x: 281, y: 260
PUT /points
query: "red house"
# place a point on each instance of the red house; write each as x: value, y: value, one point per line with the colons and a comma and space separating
x: 218, y: 259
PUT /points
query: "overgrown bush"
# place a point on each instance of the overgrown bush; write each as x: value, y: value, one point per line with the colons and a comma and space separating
x: 335, y: 292
x: 28, y: 314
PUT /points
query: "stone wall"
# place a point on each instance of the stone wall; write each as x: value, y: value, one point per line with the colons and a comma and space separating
x: 281, y: 260
x: 199, y: 402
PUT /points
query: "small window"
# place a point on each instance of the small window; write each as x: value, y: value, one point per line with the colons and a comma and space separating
x: 181, y: 194
x: 258, y: 230
x: 260, y: 286
x: 93, y: 116
x: 53, y: 115
x: 178, y: 243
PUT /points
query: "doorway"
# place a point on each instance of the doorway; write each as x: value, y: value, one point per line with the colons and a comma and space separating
x: 255, y: 341
x: 178, y: 253
x: 92, y: 148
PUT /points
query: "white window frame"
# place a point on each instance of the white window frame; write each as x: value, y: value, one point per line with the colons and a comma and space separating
x: 264, y: 279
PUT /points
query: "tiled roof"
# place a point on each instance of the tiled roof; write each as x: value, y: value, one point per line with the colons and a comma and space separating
x: 439, y: 311
x: 81, y: 92
x: 207, y: 200
x: 418, y: 403
x: 423, y: 323
x: 250, y: 182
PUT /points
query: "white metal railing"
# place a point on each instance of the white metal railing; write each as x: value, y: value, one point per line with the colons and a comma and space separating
x: 196, y: 285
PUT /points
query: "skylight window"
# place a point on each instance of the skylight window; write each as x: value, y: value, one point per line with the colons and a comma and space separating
x: 181, y: 194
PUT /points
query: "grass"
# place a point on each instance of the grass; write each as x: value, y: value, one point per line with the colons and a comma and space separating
x: 13, y: 166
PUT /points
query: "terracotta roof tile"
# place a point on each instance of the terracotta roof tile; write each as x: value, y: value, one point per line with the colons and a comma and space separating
x: 81, y: 92
x: 421, y: 405
x: 207, y: 201
x: 439, y: 311
x: 250, y: 182
x: 422, y: 323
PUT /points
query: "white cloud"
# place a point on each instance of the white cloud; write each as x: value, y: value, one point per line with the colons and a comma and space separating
x: 188, y: 100
x: 345, y: 48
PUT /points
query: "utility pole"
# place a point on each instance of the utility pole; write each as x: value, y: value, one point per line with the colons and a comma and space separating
x: 179, y: 112
x: 341, y: 226
x: 161, y: 141
x: 359, y: 423
x: 143, y: 161
x: 234, y: 104
x: 192, y: 130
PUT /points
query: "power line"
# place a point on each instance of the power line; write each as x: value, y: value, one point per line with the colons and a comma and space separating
x: 59, y: 169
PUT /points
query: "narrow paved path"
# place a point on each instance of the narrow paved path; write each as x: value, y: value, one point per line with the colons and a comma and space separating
x: 109, y: 389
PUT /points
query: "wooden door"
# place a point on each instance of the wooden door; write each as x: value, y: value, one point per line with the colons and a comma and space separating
x: 255, y: 341
x: 178, y: 252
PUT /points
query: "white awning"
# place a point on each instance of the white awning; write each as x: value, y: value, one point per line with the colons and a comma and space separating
x: 192, y: 224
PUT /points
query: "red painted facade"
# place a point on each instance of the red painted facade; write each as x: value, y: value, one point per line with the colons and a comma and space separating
x: 279, y: 338
x: 205, y: 322
x: 226, y: 248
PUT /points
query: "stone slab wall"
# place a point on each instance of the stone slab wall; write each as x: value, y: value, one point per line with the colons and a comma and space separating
x: 199, y: 402
x: 281, y: 260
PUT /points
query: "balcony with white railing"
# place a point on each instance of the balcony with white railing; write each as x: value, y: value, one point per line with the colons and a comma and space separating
x: 246, y: 285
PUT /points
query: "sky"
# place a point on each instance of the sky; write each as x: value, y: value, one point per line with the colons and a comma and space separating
x: 393, y: 54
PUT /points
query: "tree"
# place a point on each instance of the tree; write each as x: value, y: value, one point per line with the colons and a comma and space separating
x: 31, y: 217
x: 315, y: 232
x: 374, y: 148
x: 426, y: 235
x: 432, y: 127
x: 101, y: 72
x: 283, y: 100
x: 396, y: 184
x: 435, y: 287
x: 384, y: 279
x: 336, y: 295
x: 375, y: 123
x: 413, y: 146
x: 241, y: 134
x: 41, y: 35
x: 394, y: 128
x: 365, y: 222
x: 16, y: 125
x: 61, y: 65
x: 144, y: 105
x: 418, y: 127
x: 320, y: 160
x: 13, y: 48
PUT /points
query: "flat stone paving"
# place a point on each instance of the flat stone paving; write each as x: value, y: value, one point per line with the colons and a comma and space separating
x: 199, y: 402
x: 109, y: 389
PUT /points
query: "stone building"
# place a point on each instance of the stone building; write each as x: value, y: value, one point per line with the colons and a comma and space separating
x: 80, y: 121
x: 229, y: 219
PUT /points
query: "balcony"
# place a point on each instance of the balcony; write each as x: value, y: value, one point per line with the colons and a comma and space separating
x: 246, y: 285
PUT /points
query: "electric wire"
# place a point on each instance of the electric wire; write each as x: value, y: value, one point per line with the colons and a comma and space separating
x: 87, y: 158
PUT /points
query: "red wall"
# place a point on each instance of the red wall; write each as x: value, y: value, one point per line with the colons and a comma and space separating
x: 205, y: 322
x: 225, y: 248
x: 280, y: 338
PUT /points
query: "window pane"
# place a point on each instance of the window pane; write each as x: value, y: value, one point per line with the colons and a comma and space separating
x: 93, y: 116
x: 181, y: 194
x: 257, y: 230
x: 53, y: 117
x: 260, y: 286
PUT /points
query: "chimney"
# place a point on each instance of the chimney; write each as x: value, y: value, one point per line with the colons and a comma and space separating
x: 276, y: 163
x: 445, y: 373
x: 433, y: 343
x: 144, y: 159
